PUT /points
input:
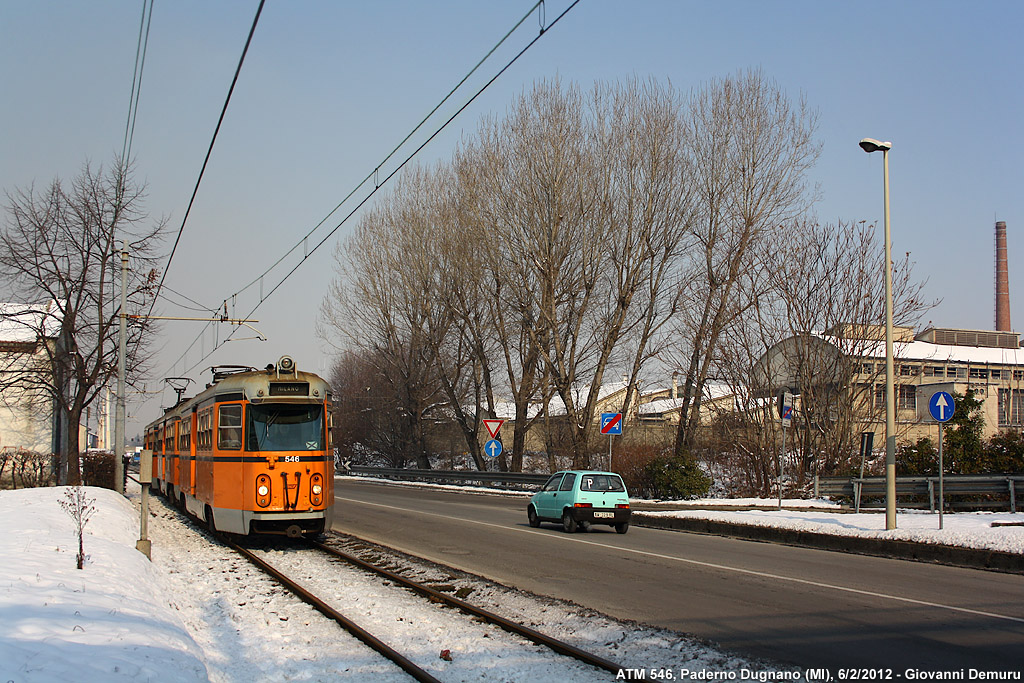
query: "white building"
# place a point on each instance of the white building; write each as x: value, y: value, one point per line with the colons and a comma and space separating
x: 26, y: 417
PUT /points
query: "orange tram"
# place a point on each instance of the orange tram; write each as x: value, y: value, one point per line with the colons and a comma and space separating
x: 251, y: 454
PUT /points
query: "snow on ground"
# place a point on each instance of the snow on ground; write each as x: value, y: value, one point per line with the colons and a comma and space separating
x: 199, y: 612
x: 110, y: 621
x: 964, y: 529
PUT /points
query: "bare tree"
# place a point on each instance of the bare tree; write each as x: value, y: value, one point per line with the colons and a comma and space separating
x: 830, y: 279
x: 584, y: 202
x: 59, y: 253
x: 749, y: 149
x: 808, y: 329
x: 79, y: 509
x: 374, y: 306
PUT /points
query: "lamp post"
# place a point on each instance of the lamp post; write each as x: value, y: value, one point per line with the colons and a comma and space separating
x: 869, y: 145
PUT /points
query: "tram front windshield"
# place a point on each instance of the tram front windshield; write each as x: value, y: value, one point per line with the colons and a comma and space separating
x: 280, y: 427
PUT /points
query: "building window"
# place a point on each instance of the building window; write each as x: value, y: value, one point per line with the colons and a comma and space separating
x: 978, y: 373
x: 906, y: 396
x: 1011, y: 407
x: 934, y: 371
x: 907, y: 399
x: 959, y: 373
x: 868, y: 368
x: 909, y: 370
x: 1018, y: 375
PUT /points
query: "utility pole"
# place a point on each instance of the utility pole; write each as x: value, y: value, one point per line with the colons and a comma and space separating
x: 119, y: 416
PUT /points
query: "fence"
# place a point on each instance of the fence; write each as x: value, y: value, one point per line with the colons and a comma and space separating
x: 987, y: 490
x: 453, y: 476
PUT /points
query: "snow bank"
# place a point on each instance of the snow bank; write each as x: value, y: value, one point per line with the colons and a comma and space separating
x: 106, y: 622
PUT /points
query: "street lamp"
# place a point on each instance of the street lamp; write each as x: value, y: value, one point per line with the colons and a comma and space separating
x: 869, y: 145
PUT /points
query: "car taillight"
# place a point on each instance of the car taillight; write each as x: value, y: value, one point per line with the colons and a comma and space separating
x: 263, y: 490
x: 583, y: 505
x: 623, y: 505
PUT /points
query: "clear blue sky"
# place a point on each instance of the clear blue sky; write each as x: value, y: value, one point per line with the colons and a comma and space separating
x: 329, y: 88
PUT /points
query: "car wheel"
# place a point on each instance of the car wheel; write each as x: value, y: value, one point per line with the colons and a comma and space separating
x: 531, y: 514
x: 568, y: 522
x: 622, y: 528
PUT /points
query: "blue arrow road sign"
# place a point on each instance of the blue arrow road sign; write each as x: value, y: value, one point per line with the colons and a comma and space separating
x: 493, y: 448
x: 611, y: 423
x: 941, y: 406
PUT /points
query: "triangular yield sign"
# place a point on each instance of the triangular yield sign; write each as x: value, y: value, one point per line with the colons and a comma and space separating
x: 493, y: 426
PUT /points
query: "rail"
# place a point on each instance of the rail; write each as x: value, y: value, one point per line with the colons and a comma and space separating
x: 521, y: 479
x: 440, y: 597
x: 1003, y: 489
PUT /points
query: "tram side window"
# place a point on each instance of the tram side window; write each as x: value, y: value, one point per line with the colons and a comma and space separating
x: 229, y: 428
x: 205, y: 429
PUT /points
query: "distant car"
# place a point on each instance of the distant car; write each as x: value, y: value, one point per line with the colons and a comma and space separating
x: 579, y: 499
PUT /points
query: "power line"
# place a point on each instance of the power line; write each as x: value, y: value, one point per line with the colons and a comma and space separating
x: 140, y: 63
x: 201, y: 307
x: 209, y: 151
x: 374, y: 173
x: 379, y: 184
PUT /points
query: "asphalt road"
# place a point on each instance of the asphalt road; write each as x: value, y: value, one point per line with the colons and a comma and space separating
x: 811, y: 608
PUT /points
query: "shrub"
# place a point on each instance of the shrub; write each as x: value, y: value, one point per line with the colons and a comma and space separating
x: 918, y: 459
x: 676, y: 478
x: 630, y: 461
x: 98, y: 469
x: 25, y: 469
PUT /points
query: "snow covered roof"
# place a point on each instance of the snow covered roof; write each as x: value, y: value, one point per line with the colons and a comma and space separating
x: 23, y: 322
x: 580, y: 395
x: 660, y: 406
x: 937, y: 353
x: 713, y: 391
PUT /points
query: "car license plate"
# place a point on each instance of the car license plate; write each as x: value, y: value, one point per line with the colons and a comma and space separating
x: 604, y: 515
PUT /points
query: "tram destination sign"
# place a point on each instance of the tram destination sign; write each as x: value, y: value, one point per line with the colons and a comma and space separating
x: 289, y: 388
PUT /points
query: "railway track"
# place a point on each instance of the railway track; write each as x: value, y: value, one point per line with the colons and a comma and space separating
x: 395, y: 581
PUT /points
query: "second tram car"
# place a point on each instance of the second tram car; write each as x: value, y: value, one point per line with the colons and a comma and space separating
x: 250, y: 454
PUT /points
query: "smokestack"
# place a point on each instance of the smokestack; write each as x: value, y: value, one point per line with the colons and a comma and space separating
x: 1002, y: 281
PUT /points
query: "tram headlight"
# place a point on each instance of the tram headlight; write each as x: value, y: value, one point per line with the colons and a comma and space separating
x: 263, y: 490
x: 317, y: 489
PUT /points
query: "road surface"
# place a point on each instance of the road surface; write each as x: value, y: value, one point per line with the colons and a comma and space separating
x: 807, y: 607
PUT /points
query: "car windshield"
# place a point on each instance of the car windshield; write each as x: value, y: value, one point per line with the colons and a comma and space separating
x: 601, y: 482
x: 277, y: 427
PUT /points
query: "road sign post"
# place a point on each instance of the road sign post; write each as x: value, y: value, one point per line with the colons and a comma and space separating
x: 611, y: 424
x: 786, y: 416
x: 867, y: 440
x: 941, y: 406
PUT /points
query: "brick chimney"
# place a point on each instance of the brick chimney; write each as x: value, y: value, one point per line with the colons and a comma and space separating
x: 1002, y: 281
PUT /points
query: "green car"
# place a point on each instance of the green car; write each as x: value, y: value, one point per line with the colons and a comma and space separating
x: 580, y: 498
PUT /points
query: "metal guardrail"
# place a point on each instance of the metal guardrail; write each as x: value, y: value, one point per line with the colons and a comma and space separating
x: 1002, y: 486
x: 452, y: 476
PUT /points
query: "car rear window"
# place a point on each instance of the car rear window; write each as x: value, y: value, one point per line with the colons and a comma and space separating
x: 601, y: 482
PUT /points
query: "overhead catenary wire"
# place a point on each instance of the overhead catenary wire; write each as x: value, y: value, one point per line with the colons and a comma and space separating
x: 378, y: 184
x: 140, y: 62
x: 375, y: 173
x: 209, y: 152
